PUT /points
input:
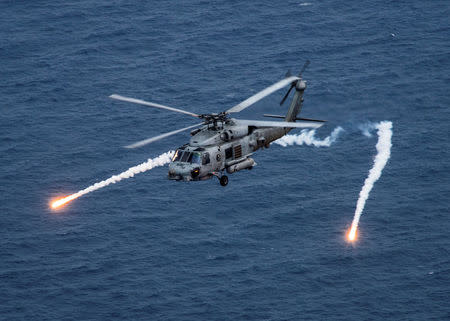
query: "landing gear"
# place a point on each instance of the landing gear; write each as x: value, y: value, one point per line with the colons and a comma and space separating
x: 223, y: 180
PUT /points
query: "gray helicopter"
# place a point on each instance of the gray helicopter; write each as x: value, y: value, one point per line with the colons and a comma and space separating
x: 223, y: 143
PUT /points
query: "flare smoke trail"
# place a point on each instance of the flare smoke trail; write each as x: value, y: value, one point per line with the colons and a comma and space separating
x: 307, y: 137
x: 383, y: 153
x: 149, y: 164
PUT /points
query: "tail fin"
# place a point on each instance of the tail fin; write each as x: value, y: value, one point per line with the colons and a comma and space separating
x: 297, y: 101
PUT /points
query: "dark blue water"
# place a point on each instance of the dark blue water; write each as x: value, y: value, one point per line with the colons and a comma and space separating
x: 269, y: 246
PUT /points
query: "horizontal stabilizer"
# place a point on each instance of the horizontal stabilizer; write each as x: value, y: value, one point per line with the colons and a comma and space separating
x: 309, y: 119
x: 297, y: 118
x: 274, y: 116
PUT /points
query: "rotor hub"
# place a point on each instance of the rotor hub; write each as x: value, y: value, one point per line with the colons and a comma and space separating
x: 214, y: 117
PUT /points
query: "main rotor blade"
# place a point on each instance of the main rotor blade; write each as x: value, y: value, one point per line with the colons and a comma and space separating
x: 154, y: 139
x: 147, y: 103
x: 263, y: 93
x: 268, y: 123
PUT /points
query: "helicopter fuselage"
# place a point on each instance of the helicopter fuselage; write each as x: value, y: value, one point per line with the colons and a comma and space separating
x: 219, y: 147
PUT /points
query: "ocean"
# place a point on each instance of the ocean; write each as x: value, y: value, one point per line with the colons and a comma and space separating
x: 272, y: 244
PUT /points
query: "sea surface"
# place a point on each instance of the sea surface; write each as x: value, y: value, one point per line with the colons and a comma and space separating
x: 272, y: 244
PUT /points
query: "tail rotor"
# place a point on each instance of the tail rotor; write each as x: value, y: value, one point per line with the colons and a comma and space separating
x: 294, y: 82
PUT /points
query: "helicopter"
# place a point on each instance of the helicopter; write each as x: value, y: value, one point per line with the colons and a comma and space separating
x: 221, y: 143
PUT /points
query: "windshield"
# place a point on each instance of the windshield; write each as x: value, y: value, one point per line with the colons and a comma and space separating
x: 196, y: 158
x: 187, y: 157
x: 176, y: 157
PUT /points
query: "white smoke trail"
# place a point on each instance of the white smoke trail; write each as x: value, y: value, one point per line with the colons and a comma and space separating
x: 367, y: 129
x: 383, y: 154
x: 149, y: 164
x: 307, y: 137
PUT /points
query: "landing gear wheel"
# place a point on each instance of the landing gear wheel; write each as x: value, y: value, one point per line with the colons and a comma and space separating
x: 224, y: 180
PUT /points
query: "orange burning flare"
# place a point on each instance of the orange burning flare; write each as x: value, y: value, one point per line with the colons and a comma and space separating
x: 352, y: 234
x: 63, y: 201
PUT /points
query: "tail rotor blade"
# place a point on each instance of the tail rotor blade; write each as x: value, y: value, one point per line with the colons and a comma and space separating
x: 295, y: 82
x: 304, y: 68
x: 287, y: 94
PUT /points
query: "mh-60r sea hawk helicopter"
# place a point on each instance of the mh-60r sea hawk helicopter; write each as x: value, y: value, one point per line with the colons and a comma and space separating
x: 224, y: 143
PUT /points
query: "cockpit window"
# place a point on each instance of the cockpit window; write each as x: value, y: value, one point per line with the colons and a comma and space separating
x: 185, y: 157
x: 176, y: 157
x: 205, y: 159
x: 196, y: 158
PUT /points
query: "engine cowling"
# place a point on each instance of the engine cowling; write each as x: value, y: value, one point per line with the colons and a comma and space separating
x: 236, y: 132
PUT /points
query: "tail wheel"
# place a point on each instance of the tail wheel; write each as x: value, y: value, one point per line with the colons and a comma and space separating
x: 224, y: 180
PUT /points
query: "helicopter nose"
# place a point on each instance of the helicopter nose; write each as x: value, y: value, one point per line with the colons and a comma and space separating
x: 174, y: 175
x: 182, y: 172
